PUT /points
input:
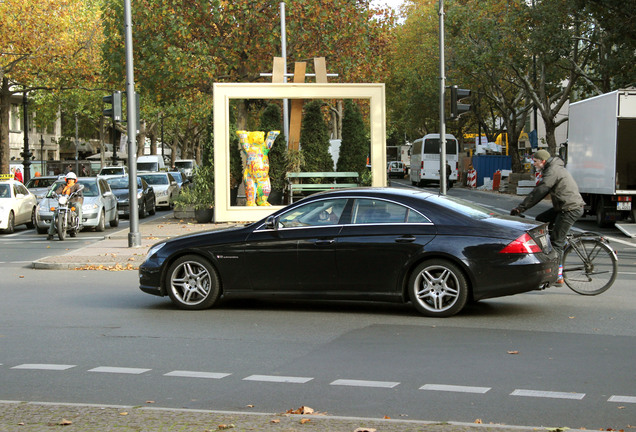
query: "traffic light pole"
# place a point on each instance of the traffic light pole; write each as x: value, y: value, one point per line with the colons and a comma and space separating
x: 442, y: 96
x: 134, y: 237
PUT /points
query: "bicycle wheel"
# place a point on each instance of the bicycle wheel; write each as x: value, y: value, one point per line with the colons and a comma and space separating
x: 589, y: 266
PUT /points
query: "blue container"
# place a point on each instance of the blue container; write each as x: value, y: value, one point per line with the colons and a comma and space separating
x: 487, y: 165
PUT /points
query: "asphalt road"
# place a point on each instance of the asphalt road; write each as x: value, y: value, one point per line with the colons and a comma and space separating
x: 550, y: 358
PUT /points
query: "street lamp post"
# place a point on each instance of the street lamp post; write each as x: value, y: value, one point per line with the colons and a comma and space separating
x: 26, y: 154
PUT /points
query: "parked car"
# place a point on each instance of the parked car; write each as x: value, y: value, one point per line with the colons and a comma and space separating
x: 383, y: 244
x: 179, y: 178
x: 165, y: 187
x: 112, y: 171
x: 100, y: 205
x: 39, y: 186
x: 145, y: 196
x: 396, y: 169
x: 17, y: 206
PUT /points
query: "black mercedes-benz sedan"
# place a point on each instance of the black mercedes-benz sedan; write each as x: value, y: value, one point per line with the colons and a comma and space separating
x: 378, y: 244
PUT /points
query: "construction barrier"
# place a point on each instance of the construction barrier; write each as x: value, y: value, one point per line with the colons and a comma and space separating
x: 471, y: 178
x: 538, y: 178
x: 496, y: 180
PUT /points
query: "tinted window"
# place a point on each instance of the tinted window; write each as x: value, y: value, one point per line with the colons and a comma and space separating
x: 369, y: 211
x: 183, y: 164
x: 118, y: 183
x: 5, y: 192
x: 40, y: 182
x: 432, y: 146
x: 90, y: 188
x: 317, y: 213
x: 156, y: 179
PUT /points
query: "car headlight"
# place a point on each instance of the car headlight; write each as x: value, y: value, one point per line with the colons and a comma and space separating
x: 140, y: 195
x: 162, y: 193
x: 153, y: 250
x: 89, y: 207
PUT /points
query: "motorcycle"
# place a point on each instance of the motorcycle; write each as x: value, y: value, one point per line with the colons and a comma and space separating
x: 66, y: 217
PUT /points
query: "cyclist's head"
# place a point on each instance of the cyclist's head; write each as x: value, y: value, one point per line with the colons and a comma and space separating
x: 538, y: 159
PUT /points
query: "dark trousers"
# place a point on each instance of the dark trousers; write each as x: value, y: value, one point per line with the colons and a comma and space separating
x: 559, y: 224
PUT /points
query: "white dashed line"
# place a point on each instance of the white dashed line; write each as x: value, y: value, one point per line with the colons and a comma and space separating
x: 547, y: 394
x: 193, y: 374
x: 455, y: 388
x: 362, y: 383
x: 623, y: 399
x: 43, y: 366
x: 278, y: 379
x: 119, y: 370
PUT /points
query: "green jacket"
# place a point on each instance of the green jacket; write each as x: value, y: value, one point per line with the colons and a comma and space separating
x: 557, y: 182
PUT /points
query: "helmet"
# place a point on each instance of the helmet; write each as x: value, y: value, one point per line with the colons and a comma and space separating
x: 71, y: 175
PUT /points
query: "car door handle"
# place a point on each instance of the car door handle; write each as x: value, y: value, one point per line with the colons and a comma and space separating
x: 325, y: 242
x: 405, y: 239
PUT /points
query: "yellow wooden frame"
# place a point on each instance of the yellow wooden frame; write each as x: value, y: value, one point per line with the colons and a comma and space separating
x: 224, y: 92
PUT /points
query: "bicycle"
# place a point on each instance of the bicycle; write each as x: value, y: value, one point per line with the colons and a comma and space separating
x: 589, y: 263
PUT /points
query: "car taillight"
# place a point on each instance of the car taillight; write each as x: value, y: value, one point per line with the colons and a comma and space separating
x: 523, y: 245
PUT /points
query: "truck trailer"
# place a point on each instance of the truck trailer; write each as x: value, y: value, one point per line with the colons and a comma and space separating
x: 601, y: 156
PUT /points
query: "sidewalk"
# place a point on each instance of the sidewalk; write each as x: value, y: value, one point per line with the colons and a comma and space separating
x: 113, y: 252
x: 18, y: 416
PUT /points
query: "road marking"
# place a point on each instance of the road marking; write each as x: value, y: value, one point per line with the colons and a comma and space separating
x: 622, y: 399
x: 455, y: 388
x: 43, y: 366
x: 279, y: 379
x: 362, y: 383
x: 547, y: 394
x: 119, y: 370
x: 193, y: 374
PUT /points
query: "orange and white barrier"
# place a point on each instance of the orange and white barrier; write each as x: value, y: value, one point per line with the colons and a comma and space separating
x: 471, y: 178
x: 537, y: 177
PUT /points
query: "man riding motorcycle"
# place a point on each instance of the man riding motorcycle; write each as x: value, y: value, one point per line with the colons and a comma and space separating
x: 71, y: 186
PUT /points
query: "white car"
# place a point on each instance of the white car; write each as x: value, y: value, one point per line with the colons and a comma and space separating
x: 113, y: 171
x: 165, y: 187
x: 17, y: 206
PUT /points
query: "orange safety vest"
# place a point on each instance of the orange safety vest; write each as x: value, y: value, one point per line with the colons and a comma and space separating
x: 67, y: 189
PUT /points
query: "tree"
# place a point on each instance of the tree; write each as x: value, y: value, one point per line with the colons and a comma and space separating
x: 45, y: 45
x: 314, y: 139
x: 355, y: 145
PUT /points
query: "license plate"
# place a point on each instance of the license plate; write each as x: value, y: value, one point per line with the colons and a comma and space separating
x: 624, y: 205
x: 544, y: 242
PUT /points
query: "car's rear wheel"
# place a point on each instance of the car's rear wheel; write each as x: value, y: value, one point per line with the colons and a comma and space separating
x: 438, y: 288
x: 192, y: 283
x: 32, y: 222
x: 115, y: 222
x: 153, y: 209
x: 142, y: 210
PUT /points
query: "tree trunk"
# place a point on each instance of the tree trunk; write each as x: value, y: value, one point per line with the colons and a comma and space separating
x: 5, y: 107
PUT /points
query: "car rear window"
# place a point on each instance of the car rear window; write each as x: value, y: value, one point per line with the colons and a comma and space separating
x: 466, y: 208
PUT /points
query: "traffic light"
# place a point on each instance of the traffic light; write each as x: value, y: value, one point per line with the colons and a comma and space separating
x: 115, y: 100
x: 458, y: 94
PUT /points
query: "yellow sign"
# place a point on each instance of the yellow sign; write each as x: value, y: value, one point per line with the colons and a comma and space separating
x: 6, y: 176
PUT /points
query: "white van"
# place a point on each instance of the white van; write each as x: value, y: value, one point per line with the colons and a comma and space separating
x: 187, y: 166
x: 152, y: 163
x: 425, y: 157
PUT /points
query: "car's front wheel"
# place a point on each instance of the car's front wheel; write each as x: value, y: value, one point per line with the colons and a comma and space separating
x: 192, y: 283
x: 101, y: 222
x: 438, y: 288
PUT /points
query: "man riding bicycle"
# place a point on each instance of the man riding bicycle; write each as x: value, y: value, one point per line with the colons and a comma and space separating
x: 567, y: 203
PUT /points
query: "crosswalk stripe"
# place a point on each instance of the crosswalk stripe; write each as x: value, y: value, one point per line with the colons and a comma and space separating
x: 547, y: 394
x: 119, y: 370
x: 278, y: 379
x: 363, y: 383
x: 43, y: 366
x: 194, y: 374
x: 455, y: 388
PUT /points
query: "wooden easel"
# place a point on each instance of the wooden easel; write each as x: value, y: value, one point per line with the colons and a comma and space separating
x: 295, y: 116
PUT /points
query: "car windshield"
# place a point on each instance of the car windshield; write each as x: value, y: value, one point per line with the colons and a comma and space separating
x: 156, y: 179
x: 40, y: 182
x: 183, y: 164
x: 5, y: 192
x: 177, y: 176
x: 111, y: 171
x: 90, y: 188
x: 118, y: 183
x: 466, y: 208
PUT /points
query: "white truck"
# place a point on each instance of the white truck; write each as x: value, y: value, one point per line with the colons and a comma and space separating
x: 601, y: 156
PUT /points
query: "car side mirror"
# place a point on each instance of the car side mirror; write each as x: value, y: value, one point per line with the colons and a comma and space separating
x: 271, y: 223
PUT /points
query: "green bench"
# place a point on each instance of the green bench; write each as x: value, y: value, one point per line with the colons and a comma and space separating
x: 299, y: 187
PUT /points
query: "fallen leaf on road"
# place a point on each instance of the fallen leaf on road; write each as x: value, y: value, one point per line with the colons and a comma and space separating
x: 65, y: 422
x: 304, y: 410
x: 123, y: 413
x: 365, y: 430
x: 224, y: 426
x: 150, y: 402
x: 386, y: 417
x: 303, y: 421
x: 274, y: 421
x: 21, y: 276
x: 478, y: 421
x: 513, y: 352
x: 250, y: 406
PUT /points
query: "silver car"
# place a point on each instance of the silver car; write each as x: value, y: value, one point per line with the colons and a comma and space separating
x: 165, y: 187
x: 100, y: 205
x: 39, y: 186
